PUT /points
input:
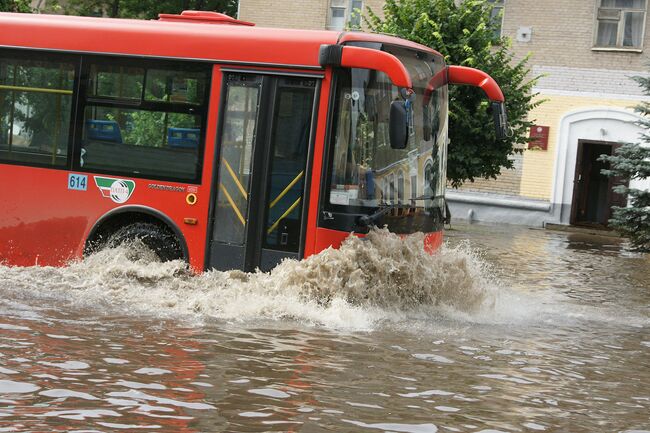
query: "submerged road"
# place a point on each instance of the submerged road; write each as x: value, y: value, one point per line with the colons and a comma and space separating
x: 507, y: 329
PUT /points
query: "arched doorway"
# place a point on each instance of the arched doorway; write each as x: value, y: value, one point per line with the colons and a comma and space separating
x: 593, y: 127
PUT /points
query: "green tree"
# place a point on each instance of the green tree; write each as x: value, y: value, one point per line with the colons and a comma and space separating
x: 465, y: 35
x: 144, y: 9
x: 15, y: 6
x: 632, y: 161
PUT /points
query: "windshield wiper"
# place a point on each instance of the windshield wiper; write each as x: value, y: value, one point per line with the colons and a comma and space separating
x: 447, y: 215
x: 426, y: 197
x: 368, y: 220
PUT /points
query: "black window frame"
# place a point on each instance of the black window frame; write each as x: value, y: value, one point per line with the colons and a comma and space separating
x: 82, y: 62
x: 76, y: 60
x: 84, y: 100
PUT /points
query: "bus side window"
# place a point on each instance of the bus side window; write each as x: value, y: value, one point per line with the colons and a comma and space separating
x: 35, y: 110
x: 145, y: 119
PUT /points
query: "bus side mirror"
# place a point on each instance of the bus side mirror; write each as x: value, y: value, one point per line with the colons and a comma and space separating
x: 500, y: 120
x: 474, y: 77
x: 398, y: 125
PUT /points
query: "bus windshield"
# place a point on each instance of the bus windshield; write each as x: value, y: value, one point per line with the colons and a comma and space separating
x: 366, y: 171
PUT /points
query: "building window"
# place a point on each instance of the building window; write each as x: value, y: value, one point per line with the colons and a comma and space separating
x: 496, y: 15
x: 356, y: 9
x: 344, y: 13
x: 430, y: 185
x: 620, y: 24
x: 400, y: 188
x: 414, y: 187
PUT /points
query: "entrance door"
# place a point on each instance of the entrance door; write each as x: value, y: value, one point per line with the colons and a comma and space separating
x: 261, y: 182
x: 593, y: 197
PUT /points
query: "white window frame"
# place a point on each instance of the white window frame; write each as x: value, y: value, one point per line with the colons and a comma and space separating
x: 346, y: 6
x: 620, y: 29
x: 352, y: 11
x: 499, y: 5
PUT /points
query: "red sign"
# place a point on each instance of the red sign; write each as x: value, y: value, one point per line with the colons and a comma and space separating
x: 538, y: 137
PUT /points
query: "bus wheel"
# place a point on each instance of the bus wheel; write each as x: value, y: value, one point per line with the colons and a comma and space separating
x: 159, y: 239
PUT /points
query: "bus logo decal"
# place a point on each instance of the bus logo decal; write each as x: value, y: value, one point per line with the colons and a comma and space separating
x: 118, y: 190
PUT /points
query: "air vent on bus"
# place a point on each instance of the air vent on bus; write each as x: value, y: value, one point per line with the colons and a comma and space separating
x: 203, y: 17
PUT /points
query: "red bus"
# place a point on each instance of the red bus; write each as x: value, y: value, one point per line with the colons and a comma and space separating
x: 214, y: 141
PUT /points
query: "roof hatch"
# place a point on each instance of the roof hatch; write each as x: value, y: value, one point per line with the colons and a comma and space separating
x: 203, y: 17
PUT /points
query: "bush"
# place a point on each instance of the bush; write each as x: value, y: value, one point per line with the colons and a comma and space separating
x: 632, y: 161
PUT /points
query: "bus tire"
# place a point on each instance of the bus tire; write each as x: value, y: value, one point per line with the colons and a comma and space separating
x: 158, y: 238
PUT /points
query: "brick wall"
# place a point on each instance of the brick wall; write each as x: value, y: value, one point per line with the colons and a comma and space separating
x: 605, y: 81
x: 563, y: 35
x: 306, y: 14
x: 508, y: 183
x: 375, y: 5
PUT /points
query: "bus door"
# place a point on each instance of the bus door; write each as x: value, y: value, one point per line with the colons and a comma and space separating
x: 263, y: 163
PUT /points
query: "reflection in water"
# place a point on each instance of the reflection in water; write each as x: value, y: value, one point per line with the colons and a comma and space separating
x: 526, y: 331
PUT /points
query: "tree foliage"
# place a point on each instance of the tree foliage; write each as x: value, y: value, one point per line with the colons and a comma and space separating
x: 465, y: 35
x: 632, y: 161
x: 143, y: 9
x: 15, y: 6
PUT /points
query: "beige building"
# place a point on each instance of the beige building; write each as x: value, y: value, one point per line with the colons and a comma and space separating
x: 307, y: 14
x: 586, y: 52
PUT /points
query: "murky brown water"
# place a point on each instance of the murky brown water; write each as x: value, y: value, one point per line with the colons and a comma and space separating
x: 542, y: 331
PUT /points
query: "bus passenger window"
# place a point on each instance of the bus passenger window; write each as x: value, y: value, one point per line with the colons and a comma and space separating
x: 145, y: 122
x: 175, y: 86
x: 117, y: 82
x: 35, y: 111
x: 147, y: 143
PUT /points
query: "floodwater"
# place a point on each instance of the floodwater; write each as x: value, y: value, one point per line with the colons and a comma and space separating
x: 506, y: 329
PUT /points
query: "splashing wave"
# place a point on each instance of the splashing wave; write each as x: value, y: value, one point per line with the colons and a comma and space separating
x: 364, y: 282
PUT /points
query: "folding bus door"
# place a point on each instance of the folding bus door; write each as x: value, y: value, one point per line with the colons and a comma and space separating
x: 263, y: 162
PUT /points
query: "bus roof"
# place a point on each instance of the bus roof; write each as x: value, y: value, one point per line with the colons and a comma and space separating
x: 205, y: 40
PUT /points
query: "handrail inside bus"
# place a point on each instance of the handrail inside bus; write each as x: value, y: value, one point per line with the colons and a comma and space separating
x: 287, y: 189
x: 36, y: 90
x: 284, y: 215
x: 236, y: 179
x: 232, y: 203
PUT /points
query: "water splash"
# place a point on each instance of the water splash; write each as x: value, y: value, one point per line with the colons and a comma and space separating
x: 366, y: 281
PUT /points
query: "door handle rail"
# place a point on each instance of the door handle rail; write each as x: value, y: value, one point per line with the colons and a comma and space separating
x: 284, y: 215
x: 235, y: 178
x: 286, y: 190
x: 232, y: 204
